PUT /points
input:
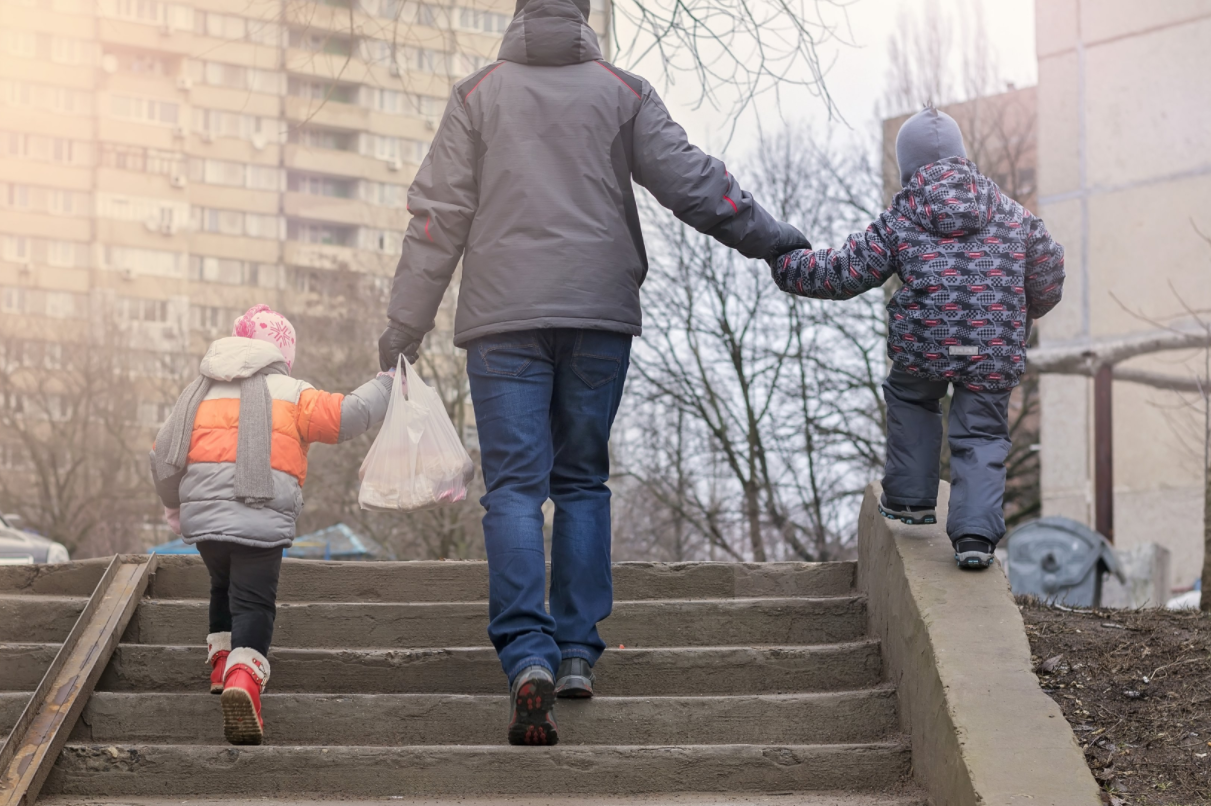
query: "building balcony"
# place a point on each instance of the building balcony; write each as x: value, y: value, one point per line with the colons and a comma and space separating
x: 147, y: 37
x: 162, y: 138
x: 233, y: 100
x: 231, y: 198
x: 45, y: 71
x: 354, y: 212
x: 331, y: 114
x: 47, y: 225
x: 343, y: 163
x: 326, y: 66
x: 332, y: 258
x: 328, y: 208
x: 236, y: 247
x: 32, y: 172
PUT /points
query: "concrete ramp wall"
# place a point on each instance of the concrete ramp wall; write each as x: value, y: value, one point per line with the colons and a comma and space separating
x: 955, y: 647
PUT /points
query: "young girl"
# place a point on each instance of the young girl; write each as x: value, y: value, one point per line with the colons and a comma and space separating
x: 229, y: 466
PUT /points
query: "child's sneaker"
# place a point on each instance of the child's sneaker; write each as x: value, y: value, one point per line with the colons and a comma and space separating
x: 533, y: 700
x: 575, y: 679
x: 974, y: 552
x: 913, y: 516
x: 247, y: 674
x: 218, y: 647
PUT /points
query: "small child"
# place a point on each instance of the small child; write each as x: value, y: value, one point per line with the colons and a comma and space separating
x: 976, y: 268
x: 229, y: 466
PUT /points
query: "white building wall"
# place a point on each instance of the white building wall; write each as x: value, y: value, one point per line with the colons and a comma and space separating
x: 1124, y: 181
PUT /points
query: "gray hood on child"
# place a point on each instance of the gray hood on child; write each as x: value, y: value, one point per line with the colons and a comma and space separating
x: 925, y: 138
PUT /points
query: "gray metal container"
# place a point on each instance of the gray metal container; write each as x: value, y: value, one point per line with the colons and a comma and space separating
x: 1061, y: 561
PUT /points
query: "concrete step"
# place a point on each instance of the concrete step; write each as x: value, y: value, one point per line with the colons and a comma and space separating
x: 23, y: 665
x: 76, y: 578
x: 620, y: 672
x: 903, y: 796
x: 12, y: 703
x: 429, y: 719
x: 314, y: 581
x: 449, y: 770
x: 38, y: 618
x: 706, y: 622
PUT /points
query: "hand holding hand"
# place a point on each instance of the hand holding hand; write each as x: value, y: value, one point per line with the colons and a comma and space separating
x: 789, y: 239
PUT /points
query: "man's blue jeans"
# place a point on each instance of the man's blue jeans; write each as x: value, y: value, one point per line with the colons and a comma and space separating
x: 544, y: 404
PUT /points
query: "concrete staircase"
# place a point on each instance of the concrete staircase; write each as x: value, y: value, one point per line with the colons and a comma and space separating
x: 747, y: 679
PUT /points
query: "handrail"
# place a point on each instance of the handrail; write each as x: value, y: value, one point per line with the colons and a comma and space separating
x: 50, y: 716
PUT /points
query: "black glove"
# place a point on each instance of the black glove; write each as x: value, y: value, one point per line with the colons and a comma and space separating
x: 789, y: 239
x: 397, y: 340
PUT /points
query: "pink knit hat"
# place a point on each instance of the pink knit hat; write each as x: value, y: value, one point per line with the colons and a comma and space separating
x: 265, y: 324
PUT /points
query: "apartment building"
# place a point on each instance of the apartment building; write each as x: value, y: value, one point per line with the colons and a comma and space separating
x: 166, y: 165
x: 178, y: 162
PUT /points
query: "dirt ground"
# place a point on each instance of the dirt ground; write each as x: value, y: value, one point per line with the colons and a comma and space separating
x: 1136, y: 688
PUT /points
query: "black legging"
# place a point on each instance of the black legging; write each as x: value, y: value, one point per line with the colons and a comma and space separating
x: 243, y: 591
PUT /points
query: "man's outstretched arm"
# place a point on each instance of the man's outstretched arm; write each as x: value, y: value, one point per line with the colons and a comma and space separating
x: 442, y: 199
x: 698, y: 188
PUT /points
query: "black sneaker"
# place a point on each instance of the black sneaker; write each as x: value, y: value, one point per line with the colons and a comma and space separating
x: 974, y: 553
x: 575, y: 679
x: 913, y: 516
x: 533, y: 700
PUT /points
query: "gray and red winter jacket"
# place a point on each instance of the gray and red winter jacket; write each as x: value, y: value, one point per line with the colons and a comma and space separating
x: 976, y: 267
x: 529, y: 178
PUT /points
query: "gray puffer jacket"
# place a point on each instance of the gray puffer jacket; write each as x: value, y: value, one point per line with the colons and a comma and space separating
x: 529, y: 181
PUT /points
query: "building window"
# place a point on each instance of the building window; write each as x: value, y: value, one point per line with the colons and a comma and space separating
x: 16, y: 248
x: 153, y: 262
x: 324, y: 138
x: 227, y: 271
x: 136, y: 309
x: 61, y: 305
x: 12, y: 300
x: 320, y: 42
x: 61, y: 253
x: 144, y: 110
x: 17, y: 196
x: 322, y: 90
x: 316, y: 233
x: 320, y: 186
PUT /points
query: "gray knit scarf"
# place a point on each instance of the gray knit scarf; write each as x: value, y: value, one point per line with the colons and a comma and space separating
x: 253, y: 472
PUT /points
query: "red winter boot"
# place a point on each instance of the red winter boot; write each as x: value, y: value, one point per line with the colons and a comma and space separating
x: 247, y: 674
x: 218, y: 647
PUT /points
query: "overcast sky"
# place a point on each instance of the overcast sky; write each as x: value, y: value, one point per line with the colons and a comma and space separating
x: 858, y: 69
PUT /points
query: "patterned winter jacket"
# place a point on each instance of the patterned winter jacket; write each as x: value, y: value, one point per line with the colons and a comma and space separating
x: 205, y: 490
x: 976, y: 267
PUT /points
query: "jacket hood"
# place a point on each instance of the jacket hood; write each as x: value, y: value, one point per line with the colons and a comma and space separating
x: 235, y: 358
x: 949, y: 197
x: 550, y: 32
x: 927, y: 137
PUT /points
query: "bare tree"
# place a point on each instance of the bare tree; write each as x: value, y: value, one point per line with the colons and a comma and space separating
x: 778, y: 419
x: 77, y: 419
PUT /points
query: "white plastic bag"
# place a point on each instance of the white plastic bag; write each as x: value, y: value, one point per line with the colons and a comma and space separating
x: 417, y: 460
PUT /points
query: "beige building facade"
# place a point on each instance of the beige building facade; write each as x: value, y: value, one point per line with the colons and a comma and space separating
x: 183, y: 161
x: 1124, y: 182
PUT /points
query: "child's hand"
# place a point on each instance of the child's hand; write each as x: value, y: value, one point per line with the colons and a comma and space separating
x: 173, y: 517
x: 389, y: 373
x: 778, y: 263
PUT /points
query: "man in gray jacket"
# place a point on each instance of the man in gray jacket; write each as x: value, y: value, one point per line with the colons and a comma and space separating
x: 528, y: 180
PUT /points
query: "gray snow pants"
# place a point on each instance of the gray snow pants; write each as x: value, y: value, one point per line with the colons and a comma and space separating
x: 979, y: 446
